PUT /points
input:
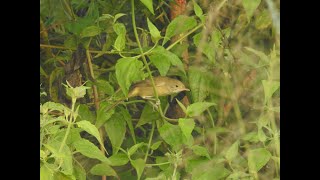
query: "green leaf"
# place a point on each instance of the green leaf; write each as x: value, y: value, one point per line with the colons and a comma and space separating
x: 79, y: 172
x: 156, y: 145
x: 148, y: 115
x: 67, y: 166
x: 179, y: 25
x: 90, y: 31
x: 139, y: 165
x: 149, y: 5
x: 162, y: 59
x: 269, y: 88
x: 105, y: 87
x: 88, y: 149
x: 91, y: 129
x: 118, y: 159
x: 184, y: 109
x: 50, y: 106
x: 215, y: 173
x: 104, y: 113
x: 155, y: 33
x: 76, y: 92
x: 116, y: 130
x: 128, y: 70
x: 232, y: 152
x: 46, y: 173
x: 117, y: 16
x: 197, y: 108
x: 119, y: 29
x: 171, y: 134
x: 250, y: 6
x: 200, y: 151
x: 161, y: 62
x: 134, y: 148
x: 103, y: 169
x: 120, y: 43
x: 85, y: 113
x: 199, y: 83
x: 251, y: 137
x: 197, y: 9
x: 186, y: 126
x: 257, y: 158
x: 127, y: 117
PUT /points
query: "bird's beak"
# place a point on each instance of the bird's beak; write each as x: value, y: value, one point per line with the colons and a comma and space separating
x: 186, y: 89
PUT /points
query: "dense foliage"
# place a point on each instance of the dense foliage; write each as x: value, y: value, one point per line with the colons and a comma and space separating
x: 225, y: 52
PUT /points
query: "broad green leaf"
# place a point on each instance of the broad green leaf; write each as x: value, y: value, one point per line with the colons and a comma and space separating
x: 197, y: 9
x: 91, y: 129
x: 232, y: 152
x: 149, y: 5
x: 50, y: 106
x: 128, y: 70
x: 77, y: 27
x: 186, y: 126
x: 116, y: 130
x: 155, y: 33
x: 88, y: 149
x: 200, y: 151
x: 90, y: 31
x: 250, y: 6
x: 67, y: 166
x: 104, y: 113
x: 239, y: 175
x: 148, y: 115
x: 257, y: 158
x: 46, y: 173
x: 215, y: 173
x: 197, y: 108
x: 119, y: 29
x: 269, y: 88
x: 134, y: 148
x: 105, y: 87
x: 162, y: 59
x: 118, y: 159
x: 85, y: 113
x: 162, y: 63
x: 179, y: 25
x: 199, y: 83
x: 79, y: 172
x: 120, y: 43
x: 103, y: 169
x: 139, y: 165
x: 171, y: 134
x: 156, y: 145
x: 117, y: 16
x: 127, y: 117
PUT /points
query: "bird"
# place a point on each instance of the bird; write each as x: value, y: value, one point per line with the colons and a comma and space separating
x: 164, y: 86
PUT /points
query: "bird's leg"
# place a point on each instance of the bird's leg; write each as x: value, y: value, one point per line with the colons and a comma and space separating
x: 154, y: 105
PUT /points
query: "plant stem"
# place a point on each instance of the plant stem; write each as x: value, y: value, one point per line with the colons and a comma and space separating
x: 150, y: 140
x: 69, y: 125
x: 141, y: 51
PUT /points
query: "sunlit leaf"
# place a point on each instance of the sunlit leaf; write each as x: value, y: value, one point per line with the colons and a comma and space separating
x: 118, y: 159
x: 257, y: 158
x: 171, y: 134
x: 232, y: 152
x: 139, y: 165
x: 88, y: 149
x: 197, y: 108
x: 116, y: 129
x: 200, y: 151
x: 103, y: 169
x: 90, y: 31
x: 91, y: 129
x: 155, y: 33
x: 148, y: 4
x: 186, y: 126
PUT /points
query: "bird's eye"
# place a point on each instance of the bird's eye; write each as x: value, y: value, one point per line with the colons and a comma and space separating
x: 177, y: 86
